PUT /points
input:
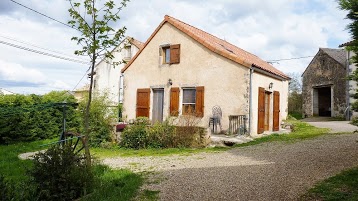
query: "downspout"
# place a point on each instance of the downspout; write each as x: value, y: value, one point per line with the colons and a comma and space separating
x: 348, y: 111
x: 120, y: 97
x: 250, y: 99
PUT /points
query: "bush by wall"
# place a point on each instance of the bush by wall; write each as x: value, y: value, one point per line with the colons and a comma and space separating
x: 142, y: 135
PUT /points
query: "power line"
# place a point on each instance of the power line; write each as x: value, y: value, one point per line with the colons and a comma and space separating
x: 26, y: 43
x: 43, y: 53
x: 275, y: 60
x: 44, y: 15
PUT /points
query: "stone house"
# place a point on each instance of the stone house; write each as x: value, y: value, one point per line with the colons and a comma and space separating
x: 106, y: 77
x: 324, y: 85
x: 182, y: 68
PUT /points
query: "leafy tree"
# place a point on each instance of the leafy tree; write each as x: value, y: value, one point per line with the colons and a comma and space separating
x: 295, y: 95
x: 352, y: 7
x: 95, y: 38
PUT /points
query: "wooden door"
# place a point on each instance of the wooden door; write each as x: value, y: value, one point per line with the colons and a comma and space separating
x: 276, y: 111
x: 261, y: 111
x: 174, y: 101
x: 158, y: 100
x: 143, y: 100
x: 267, y: 110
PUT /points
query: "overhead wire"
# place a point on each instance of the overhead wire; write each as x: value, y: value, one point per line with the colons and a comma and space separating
x: 294, y: 58
x: 43, y: 53
x: 43, y: 15
x: 27, y: 43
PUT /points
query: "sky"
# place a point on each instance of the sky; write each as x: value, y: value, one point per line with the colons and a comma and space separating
x: 272, y: 30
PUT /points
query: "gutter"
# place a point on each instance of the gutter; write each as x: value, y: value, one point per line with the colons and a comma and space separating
x: 267, y: 73
x: 121, y: 80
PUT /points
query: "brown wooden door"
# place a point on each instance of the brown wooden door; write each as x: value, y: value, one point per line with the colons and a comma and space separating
x: 276, y: 111
x: 143, y: 100
x: 261, y: 111
x: 174, y: 101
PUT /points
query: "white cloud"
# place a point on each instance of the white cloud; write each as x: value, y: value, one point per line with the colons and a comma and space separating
x: 18, y: 73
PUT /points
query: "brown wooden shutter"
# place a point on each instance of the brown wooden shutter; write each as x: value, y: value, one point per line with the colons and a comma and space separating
x: 276, y: 111
x: 261, y: 111
x: 143, y: 101
x: 175, y: 54
x: 199, y: 102
x: 174, y: 101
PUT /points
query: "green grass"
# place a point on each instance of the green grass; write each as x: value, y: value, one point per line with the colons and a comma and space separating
x: 116, y: 151
x: 301, y: 131
x: 116, y: 185
x: 343, y: 186
x: 296, y: 115
x: 111, y: 184
x: 10, y: 165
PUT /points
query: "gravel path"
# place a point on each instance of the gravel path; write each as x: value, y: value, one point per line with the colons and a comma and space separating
x: 335, y: 126
x: 269, y: 171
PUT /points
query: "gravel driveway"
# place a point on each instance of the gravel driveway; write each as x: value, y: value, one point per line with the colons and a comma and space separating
x: 334, y: 126
x: 269, y: 171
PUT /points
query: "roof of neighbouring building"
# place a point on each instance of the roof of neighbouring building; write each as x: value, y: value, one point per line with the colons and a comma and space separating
x: 337, y: 54
x: 347, y: 43
x: 216, y: 45
x: 135, y: 42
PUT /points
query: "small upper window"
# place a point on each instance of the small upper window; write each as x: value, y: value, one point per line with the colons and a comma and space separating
x: 127, y: 52
x: 170, y: 54
x: 166, y: 55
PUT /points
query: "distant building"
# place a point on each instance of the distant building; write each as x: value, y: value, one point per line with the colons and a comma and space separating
x: 324, y: 84
x: 81, y: 92
x: 107, y: 77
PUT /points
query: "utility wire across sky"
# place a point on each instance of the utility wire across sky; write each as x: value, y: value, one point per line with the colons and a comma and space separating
x: 44, y: 53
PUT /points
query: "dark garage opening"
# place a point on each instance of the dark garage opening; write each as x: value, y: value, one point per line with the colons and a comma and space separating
x: 323, y: 101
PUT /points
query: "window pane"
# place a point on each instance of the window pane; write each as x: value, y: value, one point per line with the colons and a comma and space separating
x: 167, y: 55
x: 189, y: 96
x: 188, y: 109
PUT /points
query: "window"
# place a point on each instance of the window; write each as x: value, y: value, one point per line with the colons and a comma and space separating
x: 189, y: 99
x: 127, y: 52
x: 166, y: 53
x: 170, y: 54
x: 193, y: 101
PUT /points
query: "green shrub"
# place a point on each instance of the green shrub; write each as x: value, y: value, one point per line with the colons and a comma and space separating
x: 355, y: 120
x: 100, y: 119
x: 135, y: 136
x: 59, y: 174
x: 161, y: 135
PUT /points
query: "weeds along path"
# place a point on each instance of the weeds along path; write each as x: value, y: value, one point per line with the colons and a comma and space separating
x: 268, y: 171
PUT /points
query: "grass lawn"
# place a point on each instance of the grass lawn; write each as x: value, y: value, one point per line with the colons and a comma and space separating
x: 118, y: 185
x: 301, y: 131
x: 343, y: 186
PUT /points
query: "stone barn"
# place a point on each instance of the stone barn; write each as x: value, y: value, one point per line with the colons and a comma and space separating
x: 324, y: 84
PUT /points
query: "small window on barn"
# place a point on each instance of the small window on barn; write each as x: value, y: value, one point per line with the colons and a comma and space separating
x: 127, y: 52
x: 169, y: 54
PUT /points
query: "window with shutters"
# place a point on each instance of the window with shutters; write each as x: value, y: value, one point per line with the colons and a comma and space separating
x: 189, y: 97
x: 193, y: 101
x: 169, y: 54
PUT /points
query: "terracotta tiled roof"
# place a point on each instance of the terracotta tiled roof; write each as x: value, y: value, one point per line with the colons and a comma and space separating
x: 216, y: 45
x: 135, y: 42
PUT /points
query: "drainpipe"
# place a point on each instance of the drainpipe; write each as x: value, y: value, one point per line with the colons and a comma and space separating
x: 348, y: 111
x: 250, y: 100
x: 121, y: 79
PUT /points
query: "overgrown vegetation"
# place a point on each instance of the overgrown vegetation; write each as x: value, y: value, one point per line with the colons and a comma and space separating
x: 142, y: 135
x: 295, y: 96
x: 340, y: 187
x: 15, y: 184
x: 33, y: 117
x: 100, y: 121
x: 60, y: 174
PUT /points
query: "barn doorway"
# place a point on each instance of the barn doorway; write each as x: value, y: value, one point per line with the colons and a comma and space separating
x: 322, y: 101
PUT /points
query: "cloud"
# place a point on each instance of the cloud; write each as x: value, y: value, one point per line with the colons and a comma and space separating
x: 16, y: 73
